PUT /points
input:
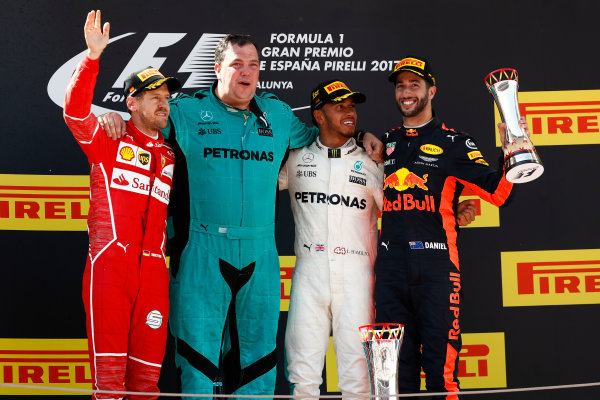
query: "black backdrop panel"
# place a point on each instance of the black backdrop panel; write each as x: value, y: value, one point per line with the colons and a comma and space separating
x: 551, y: 43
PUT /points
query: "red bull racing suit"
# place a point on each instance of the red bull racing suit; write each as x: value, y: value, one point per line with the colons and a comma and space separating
x: 125, y: 284
x: 417, y: 270
x: 334, y: 195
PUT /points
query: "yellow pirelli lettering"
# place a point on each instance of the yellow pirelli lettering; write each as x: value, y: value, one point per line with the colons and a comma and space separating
x: 286, y: 268
x: 44, y: 362
x: 553, y: 277
x: 474, y: 154
x: 410, y: 61
x: 481, y: 362
x: 44, y: 202
x: 147, y: 73
x: 560, y: 117
x: 332, y: 87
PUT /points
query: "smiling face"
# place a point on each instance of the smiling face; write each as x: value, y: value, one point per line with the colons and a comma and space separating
x: 336, y: 122
x: 238, y: 75
x: 150, y: 110
x: 413, y: 97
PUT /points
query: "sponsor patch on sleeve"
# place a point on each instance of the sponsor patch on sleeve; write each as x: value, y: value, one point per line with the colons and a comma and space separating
x: 474, y: 154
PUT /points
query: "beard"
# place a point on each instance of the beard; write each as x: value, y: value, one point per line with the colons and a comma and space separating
x: 420, y: 106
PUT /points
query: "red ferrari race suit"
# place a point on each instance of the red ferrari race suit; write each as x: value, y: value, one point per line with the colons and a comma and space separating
x: 125, y: 283
x: 417, y: 270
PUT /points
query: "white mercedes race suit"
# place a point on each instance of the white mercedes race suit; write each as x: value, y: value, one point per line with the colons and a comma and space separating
x: 334, y: 194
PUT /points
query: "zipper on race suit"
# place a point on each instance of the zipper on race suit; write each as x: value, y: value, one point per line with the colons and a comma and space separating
x: 246, y: 117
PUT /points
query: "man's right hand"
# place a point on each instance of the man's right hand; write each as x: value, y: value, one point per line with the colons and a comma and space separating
x: 113, y: 125
x: 95, y: 38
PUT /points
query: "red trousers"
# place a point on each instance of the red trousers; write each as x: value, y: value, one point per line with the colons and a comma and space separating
x: 126, y: 299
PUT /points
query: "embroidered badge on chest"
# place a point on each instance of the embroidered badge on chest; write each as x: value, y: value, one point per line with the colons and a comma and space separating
x: 265, y: 132
x: 389, y: 148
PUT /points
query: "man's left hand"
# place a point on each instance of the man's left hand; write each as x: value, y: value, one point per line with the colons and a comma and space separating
x: 466, y: 212
x: 502, y: 130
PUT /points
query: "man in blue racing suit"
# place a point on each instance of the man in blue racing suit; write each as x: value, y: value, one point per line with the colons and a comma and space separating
x: 225, y: 280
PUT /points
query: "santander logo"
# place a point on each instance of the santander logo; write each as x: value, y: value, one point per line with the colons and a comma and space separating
x: 121, y: 180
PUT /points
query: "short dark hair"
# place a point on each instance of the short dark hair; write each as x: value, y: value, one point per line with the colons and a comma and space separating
x: 231, y: 39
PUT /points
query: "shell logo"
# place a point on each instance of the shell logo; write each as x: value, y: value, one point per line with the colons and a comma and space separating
x: 431, y: 149
x: 127, y: 153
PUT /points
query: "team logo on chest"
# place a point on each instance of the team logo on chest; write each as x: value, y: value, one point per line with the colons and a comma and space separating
x: 308, y: 157
x: 206, y: 115
x: 133, y: 155
x: 403, y: 179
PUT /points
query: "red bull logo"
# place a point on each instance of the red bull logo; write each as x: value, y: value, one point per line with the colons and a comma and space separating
x: 403, y: 179
x: 408, y: 202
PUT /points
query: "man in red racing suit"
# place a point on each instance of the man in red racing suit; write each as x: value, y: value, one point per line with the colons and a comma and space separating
x: 125, y: 284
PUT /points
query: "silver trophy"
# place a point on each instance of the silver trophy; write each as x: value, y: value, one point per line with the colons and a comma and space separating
x: 521, y: 161
x: 381, y: 343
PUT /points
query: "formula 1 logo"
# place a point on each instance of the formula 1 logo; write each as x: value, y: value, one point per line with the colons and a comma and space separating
x: 199, y: 64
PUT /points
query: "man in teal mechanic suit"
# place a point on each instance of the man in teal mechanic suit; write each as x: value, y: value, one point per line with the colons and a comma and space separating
x: 225, y: 280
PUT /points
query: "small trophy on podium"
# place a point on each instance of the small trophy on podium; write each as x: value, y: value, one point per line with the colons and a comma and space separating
x: 521, y: 161
x: 381, y: 343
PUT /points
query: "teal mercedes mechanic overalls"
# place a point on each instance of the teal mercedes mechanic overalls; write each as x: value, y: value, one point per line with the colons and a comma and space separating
x: 225, y: 279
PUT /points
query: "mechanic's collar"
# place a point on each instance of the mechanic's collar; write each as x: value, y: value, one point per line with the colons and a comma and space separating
x: 254, y: 108
x: 349, y: 147
x: 421, y: 130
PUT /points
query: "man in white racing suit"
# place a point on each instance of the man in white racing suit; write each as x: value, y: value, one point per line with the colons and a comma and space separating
x: 335, y: 190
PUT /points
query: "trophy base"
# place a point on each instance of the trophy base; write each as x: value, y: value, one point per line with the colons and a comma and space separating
x: 523, y: 166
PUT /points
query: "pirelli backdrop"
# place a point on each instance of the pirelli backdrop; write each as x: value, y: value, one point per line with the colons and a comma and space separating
x: 531, y: 270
